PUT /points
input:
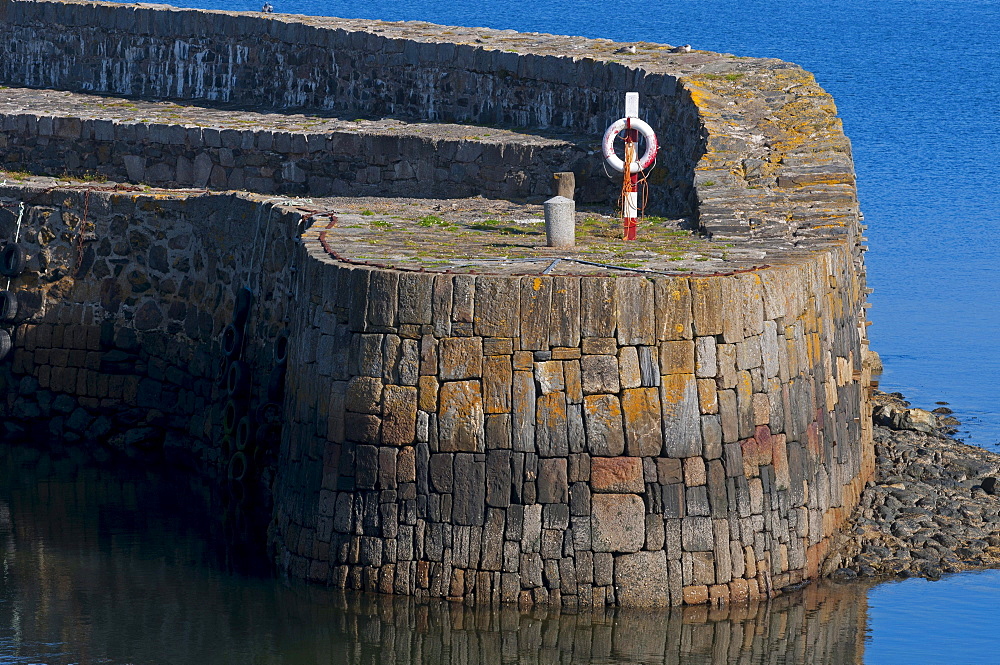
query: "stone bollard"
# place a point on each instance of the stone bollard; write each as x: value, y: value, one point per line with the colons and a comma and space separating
x: 564, y: 184
x: 560, y: 222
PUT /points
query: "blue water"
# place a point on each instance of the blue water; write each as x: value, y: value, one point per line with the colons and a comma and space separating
x: 917, y: 83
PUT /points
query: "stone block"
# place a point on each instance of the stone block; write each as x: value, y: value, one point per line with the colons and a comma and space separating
x: 697, y: 534
x: 649, y: 367
x: 573, y: 380
x: 705, y: 362
x: 565, y: 316
x: 599, y: 374
x: 732, y: 310
x: 523, y: 412
x: 549, y: 376
x: 382, y: 299
x: 728, y: 416
x: 597, y: 311
x: 536, y: 308
x: 427, y: 391
x: 669, y: 470
x: 634, y: 309
x: 706, y: 303
x: 463, y: 301
x: 696, y: 501
x: 702, y: 568
x: 602, y: 416
x: 498, y: 346
x: 641, y: 410
x: 460, y: 418
x: 677, y: 357
x: 460, y: 358
x: 641, y: 579
x: 618, y: 522
x: 399, y: 415
x: 616, y: 475
x: 415, y: 298
x: 553, y: 486
x: 469, y: 503
x: 681, y: 415
x: 551, y: 425
x: 673, y: 308
x: 497, y: 382
x: 599, y: 346
x: 364, y: 395
x: 441, y: 296
x: 498, y: 302
x: 674, y: 499
x: 708, y: 399
x: 629, y: 374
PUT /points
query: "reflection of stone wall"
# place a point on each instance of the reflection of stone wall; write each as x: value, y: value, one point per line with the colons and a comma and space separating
x: 583, y: 440
x: 78, y: 587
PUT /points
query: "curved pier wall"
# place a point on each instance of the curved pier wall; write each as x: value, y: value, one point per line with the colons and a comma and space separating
x: 583, y: 440
x: 346, y: 67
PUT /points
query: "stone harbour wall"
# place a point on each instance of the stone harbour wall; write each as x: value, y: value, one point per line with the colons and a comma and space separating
x: 574, y: 440
x: 616, y: 437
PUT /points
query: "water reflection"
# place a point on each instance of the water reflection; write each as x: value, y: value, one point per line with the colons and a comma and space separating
x: 104, y: 568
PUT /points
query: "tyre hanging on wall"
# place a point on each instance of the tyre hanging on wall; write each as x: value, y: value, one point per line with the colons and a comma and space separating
x: 12, y: 259
x: 5, y: 343
x: 238, y: 466
x: 8, y: 305
x: 238, y: 379
x: 281, y: 348
x: 244, y: 433
x: 241, y: 308
x: 232, y: 341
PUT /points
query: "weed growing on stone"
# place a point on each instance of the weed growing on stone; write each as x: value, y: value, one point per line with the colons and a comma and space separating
x: 431, y: 220
x: 367, y: 213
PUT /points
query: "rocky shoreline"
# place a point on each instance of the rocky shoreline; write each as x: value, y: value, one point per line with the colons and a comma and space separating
x: 934, y: 506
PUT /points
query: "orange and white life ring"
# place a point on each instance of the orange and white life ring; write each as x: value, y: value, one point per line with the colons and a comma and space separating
x: 614, y: 161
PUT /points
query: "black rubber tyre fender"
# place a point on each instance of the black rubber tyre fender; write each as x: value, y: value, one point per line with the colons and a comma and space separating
x: 238, y: 466
x: 244, y: 433
x: 281, y: 348
x: 269, y: 413
x: 8, y: 305
x: 12, y: 259
x: 241, y: 308
x: 232, y: 413
x: 276, y: 385
x: 5, y: 343
x: 232, y: 340
x: 238, y: 379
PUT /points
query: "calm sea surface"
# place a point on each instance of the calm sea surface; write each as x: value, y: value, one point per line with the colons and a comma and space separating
x: 106, y: 568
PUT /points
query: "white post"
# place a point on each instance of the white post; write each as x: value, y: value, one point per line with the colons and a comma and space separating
x: 560, y: 222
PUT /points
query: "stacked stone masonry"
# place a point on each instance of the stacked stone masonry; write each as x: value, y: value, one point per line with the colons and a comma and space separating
x: 627, y: 439
x: 574, y: 440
